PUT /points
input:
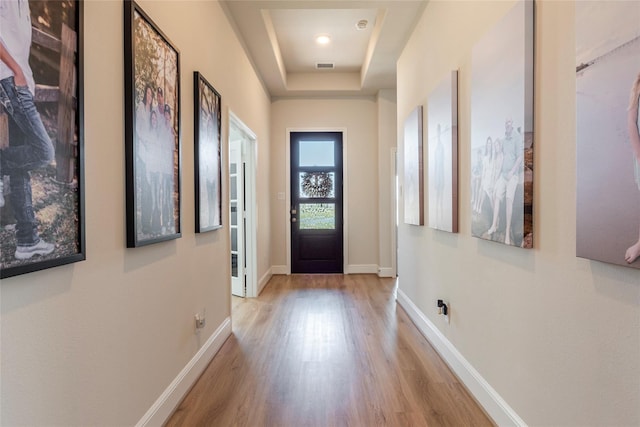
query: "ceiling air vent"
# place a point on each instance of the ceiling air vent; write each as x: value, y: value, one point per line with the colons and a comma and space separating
x: 325, y: 65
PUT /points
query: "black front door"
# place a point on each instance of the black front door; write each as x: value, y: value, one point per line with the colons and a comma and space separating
x: 316, y: 202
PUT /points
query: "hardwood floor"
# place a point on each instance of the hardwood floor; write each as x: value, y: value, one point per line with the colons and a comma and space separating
x: 326, y: 350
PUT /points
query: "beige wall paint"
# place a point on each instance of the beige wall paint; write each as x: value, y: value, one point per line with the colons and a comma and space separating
x: 387, y: 130
x: 556, y: 336
x: 359, y: 118
x: 97, y: 342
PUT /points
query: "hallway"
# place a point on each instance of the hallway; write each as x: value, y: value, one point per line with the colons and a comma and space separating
x: 326, y: 350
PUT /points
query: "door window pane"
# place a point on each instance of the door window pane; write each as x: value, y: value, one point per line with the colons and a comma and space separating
x: 234, y: 265
x: 317, y: 184
x: 234, y: 239
x: 317, y: 153
x: 234, y: 213
x: 317, y: 216
x: 234, y: 188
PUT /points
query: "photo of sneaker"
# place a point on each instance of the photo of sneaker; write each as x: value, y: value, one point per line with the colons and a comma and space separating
x: 40, y: 248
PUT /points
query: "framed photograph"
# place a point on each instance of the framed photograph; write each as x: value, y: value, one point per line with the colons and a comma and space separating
x: 502, y: 130
x: 152, y: 130
x: 413, y: 169
x: 442, y: 125
x: 608, y: 132
x: 208, y: 164
x: 42, y: 157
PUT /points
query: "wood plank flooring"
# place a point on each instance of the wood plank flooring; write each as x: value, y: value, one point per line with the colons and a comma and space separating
x: 326, y: 350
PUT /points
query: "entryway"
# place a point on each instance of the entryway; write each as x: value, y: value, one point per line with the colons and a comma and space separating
x: 316, y: 211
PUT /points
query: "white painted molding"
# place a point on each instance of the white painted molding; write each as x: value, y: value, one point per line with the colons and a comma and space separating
x: 278, y: 269
x: 264, y: 280
x: 394, y: 210
x: 385, y: 272
x: 169, y: 400
x: 501, y: 413
x: 362, y: 269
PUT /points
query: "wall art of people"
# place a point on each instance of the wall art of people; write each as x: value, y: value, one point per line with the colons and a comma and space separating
x: 208, y: 160
x: 40, y: 135
x: 608, y: 132
x: 154, y: 152
x: 413, y: 169
x: 502, y: 130
x: 442, y: 125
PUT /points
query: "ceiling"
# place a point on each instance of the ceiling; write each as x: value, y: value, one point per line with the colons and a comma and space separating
x: 279, y: 37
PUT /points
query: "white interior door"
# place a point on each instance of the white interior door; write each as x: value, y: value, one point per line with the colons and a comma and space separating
x: 242, y: 203
x: 237, y: 218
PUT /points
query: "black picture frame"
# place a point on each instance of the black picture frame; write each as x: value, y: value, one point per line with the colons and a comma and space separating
x: 152, y: 142
x: 207, y: 152
x: 56, y: 189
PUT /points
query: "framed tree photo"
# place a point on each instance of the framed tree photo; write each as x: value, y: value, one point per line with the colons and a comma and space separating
x: 41, y: 135
x: 152, y: 130
x: 208, y: 163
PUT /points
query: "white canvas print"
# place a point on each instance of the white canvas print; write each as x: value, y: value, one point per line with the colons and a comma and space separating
x: 413, y: 169
x: 442, y: 124
x: 608, y: 131
x: 502, y: 130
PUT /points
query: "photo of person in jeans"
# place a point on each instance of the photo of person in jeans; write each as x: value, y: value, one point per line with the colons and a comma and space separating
x: 29, y: 147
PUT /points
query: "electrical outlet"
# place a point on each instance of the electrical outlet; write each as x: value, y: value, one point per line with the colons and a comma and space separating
x: 447, y: 316
x: 444, y: 308
x: 200, y: 321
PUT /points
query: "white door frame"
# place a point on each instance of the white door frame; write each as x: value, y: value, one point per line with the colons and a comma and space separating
x: 249, y: 157
x: 345, y: 192
x: 394, y: 211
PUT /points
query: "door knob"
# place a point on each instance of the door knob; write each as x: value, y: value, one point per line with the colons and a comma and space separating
x: 294, y: 219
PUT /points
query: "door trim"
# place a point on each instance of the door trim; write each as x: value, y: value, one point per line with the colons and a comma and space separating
x: 394, y: 210
x: 250, y: 157
x: 345, y: 193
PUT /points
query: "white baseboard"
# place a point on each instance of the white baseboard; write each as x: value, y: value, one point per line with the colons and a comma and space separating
x: 278, y: 269
x: 264, y: 280
x: 385, y: 272
x: 501, y: 413
x: 169, y: 400
x: 362, y: 269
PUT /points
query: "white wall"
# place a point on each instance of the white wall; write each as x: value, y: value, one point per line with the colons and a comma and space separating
x: 359, y: 118
x: 556, y: 336
x: 97, y: 342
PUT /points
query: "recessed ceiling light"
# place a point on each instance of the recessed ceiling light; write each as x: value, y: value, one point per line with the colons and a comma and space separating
x: 323, y: 39
x: 362, y: 24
